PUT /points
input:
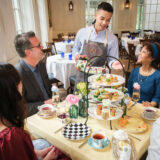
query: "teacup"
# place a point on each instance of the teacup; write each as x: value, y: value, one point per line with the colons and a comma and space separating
x: 46, y: 109
x: 150, y: 112
x: 99, y: 138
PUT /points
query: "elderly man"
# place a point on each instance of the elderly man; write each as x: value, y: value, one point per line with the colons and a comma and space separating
x: 36, y: 86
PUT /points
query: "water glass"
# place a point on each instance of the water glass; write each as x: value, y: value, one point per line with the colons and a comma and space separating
x: 62, y: 54
x: 70, y: 56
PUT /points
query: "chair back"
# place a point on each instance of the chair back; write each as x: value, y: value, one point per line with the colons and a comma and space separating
x: 47, y: 52
x: 143, y: 41
x: 132, y: 56
x: 125, y: 33
x: 131, y: 49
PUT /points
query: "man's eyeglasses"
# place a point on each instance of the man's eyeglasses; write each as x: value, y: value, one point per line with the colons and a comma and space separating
x: 38, y: 46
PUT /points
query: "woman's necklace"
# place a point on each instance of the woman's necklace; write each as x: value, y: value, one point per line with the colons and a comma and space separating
x: 143, y: 78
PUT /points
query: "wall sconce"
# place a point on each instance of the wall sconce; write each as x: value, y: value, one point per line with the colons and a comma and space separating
x: 70, y: 5
x: 127, y: 4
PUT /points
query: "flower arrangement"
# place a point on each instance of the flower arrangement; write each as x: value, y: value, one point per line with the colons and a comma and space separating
x: 82, y: 88
x: 136, y: 86
x: 72, y: 99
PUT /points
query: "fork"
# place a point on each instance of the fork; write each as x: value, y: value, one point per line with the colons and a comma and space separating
x: 132, y: 105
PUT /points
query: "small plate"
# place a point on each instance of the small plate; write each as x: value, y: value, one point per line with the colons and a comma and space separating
x: 93, y: 145
x: 46, y: 116
x: 92, y: 112
x: 147, y: 118
x: 76, y: 131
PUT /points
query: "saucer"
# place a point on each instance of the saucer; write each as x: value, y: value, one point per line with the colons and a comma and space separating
x: 93, y: 145
x: 46, y: 116
x: 147, y: 118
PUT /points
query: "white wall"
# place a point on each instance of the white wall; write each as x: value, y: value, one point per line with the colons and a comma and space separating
x: 124, y: 19
x: 64, y: 20
x: 7, y: 33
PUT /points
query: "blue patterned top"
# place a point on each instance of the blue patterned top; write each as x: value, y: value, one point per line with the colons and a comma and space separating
x: 150, y: 85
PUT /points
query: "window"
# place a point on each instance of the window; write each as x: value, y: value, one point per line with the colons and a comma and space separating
x: 17, y: 16
x: 148, y: 15
x: 91, y: 7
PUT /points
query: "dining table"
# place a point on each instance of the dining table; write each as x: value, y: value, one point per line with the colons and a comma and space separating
x: 64, y: 46
x: 61, y: 68
x: 126, y: 40
x: 50, y: 129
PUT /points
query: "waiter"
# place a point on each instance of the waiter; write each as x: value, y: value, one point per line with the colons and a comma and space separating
x: 97, y: 40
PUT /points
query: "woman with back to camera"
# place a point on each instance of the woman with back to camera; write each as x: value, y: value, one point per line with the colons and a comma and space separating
x: 147, y: 76
x: 15, y: 143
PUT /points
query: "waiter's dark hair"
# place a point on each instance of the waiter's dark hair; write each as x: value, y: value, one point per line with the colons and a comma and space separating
x: 106, y: 7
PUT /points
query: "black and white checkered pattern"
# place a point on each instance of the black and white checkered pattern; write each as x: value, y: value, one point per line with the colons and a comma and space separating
x: 76, y: 131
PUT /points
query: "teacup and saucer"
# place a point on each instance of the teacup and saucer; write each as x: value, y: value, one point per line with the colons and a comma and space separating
x: 46, y: 111
x: 149, y: 113
x: 98, y: 140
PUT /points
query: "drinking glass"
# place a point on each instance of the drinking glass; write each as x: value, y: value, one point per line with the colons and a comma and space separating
x: 70, y: 56
x: 62, y: 54
x: 136, y: 95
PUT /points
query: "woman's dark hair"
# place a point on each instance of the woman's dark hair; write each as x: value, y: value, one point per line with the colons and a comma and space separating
x: 150, y: 48
x: 106, y: 7
x: 12, y: 105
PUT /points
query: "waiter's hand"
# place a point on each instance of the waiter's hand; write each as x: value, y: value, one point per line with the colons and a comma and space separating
x: 77, y: 57
x: 116, y: 65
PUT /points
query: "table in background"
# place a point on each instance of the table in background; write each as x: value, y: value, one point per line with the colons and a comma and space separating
x: 64, y: 46
x: 45, y: 128
x: 126, y: 40
x: 61, y: 69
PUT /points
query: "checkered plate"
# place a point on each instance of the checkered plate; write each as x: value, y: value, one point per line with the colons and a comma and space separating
x: 76, y: 131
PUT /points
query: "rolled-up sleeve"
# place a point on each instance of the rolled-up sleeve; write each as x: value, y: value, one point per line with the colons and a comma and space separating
x: 154, y: 148
x: 113, y: 49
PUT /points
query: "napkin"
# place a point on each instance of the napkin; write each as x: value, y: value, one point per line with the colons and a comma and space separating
x: 120, y: 135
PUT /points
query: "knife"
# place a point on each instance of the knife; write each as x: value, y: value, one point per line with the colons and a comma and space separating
x: 82, y: 144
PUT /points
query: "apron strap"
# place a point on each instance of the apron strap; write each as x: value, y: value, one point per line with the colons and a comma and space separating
x: 88, y: 35
x: 105, y: 41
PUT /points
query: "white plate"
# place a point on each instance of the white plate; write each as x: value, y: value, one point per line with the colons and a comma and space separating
x: 121, y: 95
x: 92, y: 112
x: 93, y: 78
x: 147, y: 118
x: 76, y: 131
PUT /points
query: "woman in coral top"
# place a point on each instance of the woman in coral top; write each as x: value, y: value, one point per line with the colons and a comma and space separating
x: 15, y: 143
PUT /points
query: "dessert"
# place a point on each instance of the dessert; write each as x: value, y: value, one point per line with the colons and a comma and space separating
x: 101, y: 94
x: 132, y: 124
x: 112, y: 111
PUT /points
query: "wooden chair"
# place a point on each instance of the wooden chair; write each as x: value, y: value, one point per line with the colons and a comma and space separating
x: 72, y: 79
x: 132, y: 56
x: 48, y: 52
x: 125, y: 32
x: 122, y: 50
x: 143, y: 41
x: 127, y: 73
x: 52, y: 46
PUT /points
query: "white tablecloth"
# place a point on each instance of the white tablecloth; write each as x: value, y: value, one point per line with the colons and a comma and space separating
x: 126, y: 40
x: 62, y: 69
x: 64, y: 46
